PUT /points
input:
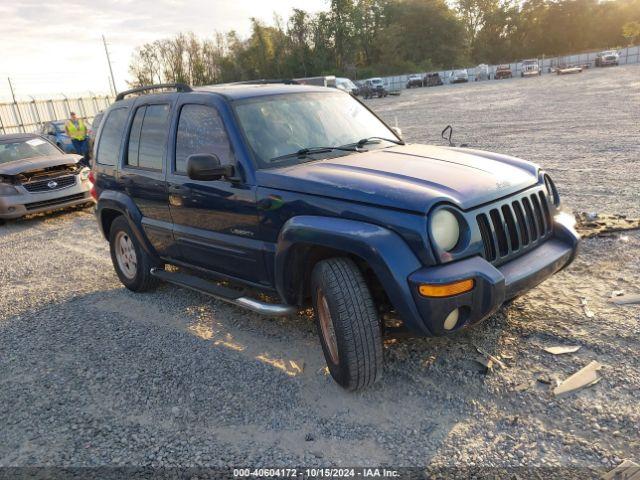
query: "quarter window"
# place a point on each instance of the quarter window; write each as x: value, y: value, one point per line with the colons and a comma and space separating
x: 111, y: 137
x: 148, y: 137
x: 200, y: 130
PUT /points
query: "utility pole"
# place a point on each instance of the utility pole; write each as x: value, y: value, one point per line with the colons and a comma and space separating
x: 106, y: 51
x: 16, y: 107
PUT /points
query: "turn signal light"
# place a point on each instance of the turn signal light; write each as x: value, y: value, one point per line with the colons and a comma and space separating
x: 446, y: 289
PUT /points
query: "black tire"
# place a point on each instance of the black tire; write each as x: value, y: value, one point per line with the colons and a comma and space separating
x: 141, y: 280
x: 357, y: 333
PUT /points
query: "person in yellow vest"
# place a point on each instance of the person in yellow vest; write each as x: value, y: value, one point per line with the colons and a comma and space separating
x: 77, y: 132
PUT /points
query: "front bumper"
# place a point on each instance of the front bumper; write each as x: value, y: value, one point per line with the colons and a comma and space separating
x: 492, y: 285
x: 27, y: 203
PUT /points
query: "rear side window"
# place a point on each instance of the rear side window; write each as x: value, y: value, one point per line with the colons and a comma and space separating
x: 200, y: 130
x: 148, y: 137
x: 111, y: 136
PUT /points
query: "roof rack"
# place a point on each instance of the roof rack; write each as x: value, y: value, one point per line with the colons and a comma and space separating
x: 263, y: 81
x: 180, y: 87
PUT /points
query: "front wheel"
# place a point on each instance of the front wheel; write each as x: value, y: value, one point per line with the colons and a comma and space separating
x: 348, y: 323
x: 131, y: 263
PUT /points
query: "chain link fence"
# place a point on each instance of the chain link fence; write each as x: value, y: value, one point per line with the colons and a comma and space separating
x: 628, y: 55
x: 26, y: 117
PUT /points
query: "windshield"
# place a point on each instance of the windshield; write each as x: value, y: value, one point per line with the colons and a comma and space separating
x: 280, y: 125
x: 12, y: 150
x: 376, y: 81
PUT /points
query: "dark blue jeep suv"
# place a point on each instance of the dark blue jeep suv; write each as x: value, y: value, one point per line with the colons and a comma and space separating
x: 275, y: 197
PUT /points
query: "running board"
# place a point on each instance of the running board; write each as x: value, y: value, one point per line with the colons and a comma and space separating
x: 223, y: 293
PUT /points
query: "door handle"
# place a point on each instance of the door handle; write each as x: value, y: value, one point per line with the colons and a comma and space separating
x: 175, y: 200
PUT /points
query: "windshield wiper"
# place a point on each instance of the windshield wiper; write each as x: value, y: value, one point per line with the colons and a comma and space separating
x: 364, y: 141
x: 303, y: 152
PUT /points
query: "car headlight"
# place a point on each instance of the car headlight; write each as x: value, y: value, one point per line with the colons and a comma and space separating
x: 552, y: 191
x: 8, y: 190
x: 445, y: 229
x: 84, y: 173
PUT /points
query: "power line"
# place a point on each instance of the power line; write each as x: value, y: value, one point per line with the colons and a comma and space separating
x: 16, y: 105
x: 106, y: 50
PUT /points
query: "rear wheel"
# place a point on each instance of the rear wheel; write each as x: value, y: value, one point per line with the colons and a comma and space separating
x: 131, y: 263
x: 348, y: 323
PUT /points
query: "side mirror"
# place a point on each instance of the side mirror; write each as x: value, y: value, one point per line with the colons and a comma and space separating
x: 206, y: 166
x: 447, y: 133
x: 397, y: 131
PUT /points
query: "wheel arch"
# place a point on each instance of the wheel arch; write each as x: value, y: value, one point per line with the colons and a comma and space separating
x: 382, y: 255
x: 111, y: 205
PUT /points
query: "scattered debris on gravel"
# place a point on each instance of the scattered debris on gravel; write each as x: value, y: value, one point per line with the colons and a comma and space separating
x: 585, y: 377
x: 561, y: 350
x: 593, y: 224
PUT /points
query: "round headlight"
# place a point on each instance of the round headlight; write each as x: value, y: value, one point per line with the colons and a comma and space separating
x: 445, y: 229
x: 7, y: 190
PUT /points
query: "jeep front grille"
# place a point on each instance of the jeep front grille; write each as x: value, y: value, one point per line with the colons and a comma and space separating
x: 514, y: 226
x: 50, y: 184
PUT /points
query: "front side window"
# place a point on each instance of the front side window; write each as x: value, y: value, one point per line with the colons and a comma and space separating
x: 111, y: 137
x: 148, y: 137
x: 280, y: 125
x: 200, y: 130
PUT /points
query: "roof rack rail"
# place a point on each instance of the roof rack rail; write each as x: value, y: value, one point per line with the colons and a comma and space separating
x: 262, y: 81
x: 180, y: 87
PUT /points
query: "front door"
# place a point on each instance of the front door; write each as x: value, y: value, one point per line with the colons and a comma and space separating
x: 215, y: 222
x: 143, y: 172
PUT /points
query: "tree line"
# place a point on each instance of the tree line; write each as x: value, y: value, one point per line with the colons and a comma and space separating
x: 362, y: 38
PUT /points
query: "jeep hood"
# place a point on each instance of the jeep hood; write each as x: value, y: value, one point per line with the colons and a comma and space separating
x: 37, y: 163
x: 408, y: 177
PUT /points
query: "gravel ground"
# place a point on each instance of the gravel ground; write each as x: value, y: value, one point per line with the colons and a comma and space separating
x: 92, y: 374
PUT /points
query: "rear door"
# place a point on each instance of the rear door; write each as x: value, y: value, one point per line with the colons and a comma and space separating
x: 215, y: 222
x: 143, y: 173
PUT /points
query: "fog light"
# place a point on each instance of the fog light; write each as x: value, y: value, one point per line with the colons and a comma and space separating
x: 447, y: 289
x: 452, y: 320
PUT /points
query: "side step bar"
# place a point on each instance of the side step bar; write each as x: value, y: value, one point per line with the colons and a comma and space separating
x: 222, y: 293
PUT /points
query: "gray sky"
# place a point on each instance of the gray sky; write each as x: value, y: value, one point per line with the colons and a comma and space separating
x: 55, y: 47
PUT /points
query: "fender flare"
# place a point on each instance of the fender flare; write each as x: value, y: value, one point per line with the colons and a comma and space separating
x: 118, y: 201
x: 385, y: 252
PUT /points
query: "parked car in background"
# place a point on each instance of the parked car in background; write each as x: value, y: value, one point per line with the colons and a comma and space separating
x: 607, y: 58
x: 320, y: 81
x: 530, y: 68
x: 415, y: 80
x: 374, y: 87
x: 95, y: 124
x: 432, y: 80
x: 459, y: 76
x: 36, y: 176
x: 346, y: 85
x: 503, y: 71
x: 305, y: 195
x: 482, y: 72
x: 55, y: 133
